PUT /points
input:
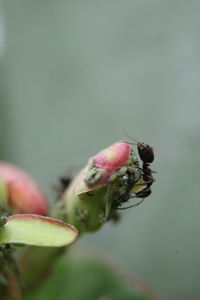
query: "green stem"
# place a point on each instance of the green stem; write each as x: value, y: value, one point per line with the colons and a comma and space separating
x: 10, y: 285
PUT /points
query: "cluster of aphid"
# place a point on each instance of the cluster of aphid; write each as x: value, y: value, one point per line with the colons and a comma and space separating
x: 128, y: 177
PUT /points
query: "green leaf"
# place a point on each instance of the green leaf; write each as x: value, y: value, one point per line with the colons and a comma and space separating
x: 37, y: 230
x: 75, y: 277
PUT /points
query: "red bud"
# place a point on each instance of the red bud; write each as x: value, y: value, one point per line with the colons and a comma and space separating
x: 24, y: 196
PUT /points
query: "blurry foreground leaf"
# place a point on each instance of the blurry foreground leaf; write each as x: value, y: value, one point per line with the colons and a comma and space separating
x: 3, y: 193
x: 37, y: 230
x: 82, y: 278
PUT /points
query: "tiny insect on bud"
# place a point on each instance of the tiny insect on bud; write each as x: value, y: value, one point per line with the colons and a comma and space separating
x: 23, y: 194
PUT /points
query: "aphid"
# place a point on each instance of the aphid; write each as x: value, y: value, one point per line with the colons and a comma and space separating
x: 63, y: 182
x: 94, y: 174
x: 124, y: 185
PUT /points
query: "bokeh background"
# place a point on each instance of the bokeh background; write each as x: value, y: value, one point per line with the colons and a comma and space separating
x: 73, y: 76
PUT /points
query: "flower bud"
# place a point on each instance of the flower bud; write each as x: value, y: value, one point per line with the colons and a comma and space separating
x: 106, y: 182
x: 102, y: 166
x: 23, y: 194
x: 113, y: 157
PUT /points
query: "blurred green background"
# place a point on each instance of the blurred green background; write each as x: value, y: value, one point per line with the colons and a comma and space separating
x: 73, y: 75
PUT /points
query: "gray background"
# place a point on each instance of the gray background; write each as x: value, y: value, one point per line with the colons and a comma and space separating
x: 73, y: 75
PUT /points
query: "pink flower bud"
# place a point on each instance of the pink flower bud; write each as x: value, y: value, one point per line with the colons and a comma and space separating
x: 105, y: 163
x: 24, y: 196
x: 101, y: 187
x: 113, y: 157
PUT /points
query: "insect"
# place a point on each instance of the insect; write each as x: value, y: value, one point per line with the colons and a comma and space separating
x: 63, y: 182
x: 146, y: 155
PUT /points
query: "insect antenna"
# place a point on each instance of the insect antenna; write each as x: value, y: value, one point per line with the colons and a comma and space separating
x: 134, y: 141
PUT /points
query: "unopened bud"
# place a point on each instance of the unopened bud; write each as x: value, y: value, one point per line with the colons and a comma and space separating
x: 113, y: 157
x: 106, y: 182
x: 23, y: 194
